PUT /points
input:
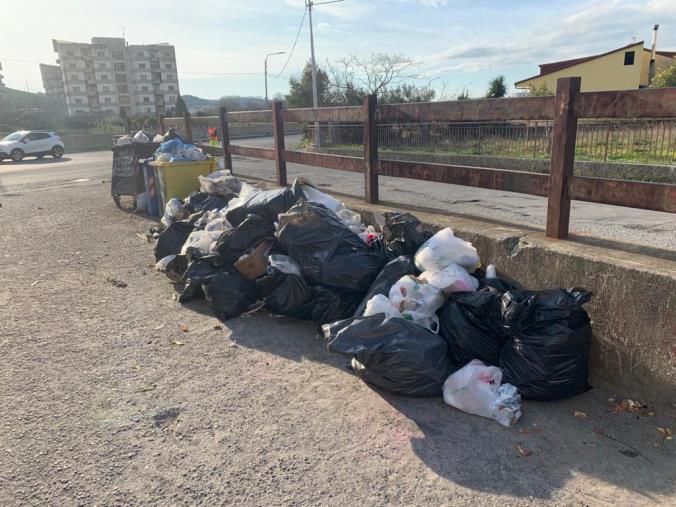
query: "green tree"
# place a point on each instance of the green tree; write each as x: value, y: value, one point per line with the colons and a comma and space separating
x: 407, y: 93
x: 497, y: 88
x: 181, y: 108
x: 463, y: 95
x: 539, y: 91
x: 300, y: 89
x: 664, y: 79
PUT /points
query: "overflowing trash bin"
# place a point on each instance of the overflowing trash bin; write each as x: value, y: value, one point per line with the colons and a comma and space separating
x: 413, y: 311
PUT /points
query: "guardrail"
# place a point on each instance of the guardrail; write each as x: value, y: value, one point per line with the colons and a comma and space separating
x: 560, y: 186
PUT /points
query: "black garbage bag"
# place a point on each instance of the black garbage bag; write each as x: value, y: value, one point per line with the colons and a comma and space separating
x: 327, y: 252
x: 403, y: 233
x: 388, y: 276
x: 199, y: 271
x: 229, y: 293
x: 267, y: 204
x: 471, y: 324
x: 248, y: 234
x: 286, y: 293
x: 549, y: 337
x: 330, y: 304
x: 172, y: 238
x: 202, y: 201
x: 393, y: 354
x: 177, y: 268
x: 378, y: 247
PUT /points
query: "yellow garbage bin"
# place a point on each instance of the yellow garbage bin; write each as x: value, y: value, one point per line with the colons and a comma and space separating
x: 178, y: 179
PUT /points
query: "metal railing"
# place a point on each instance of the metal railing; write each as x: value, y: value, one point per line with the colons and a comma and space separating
x: 560, y: 186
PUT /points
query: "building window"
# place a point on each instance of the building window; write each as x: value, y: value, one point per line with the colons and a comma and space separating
x: 107, y: 100
x: 124, y: 99
x: 146, y: 99
x: 141, y: 65
x: 104, y: 77
x: 85, y: 53
x: 117, y: 55
x: 71, y: 65
x: 106, y: 88
x: 144, y: 88
x: 102, y: 65
x: 629, y: 57
x: 170, y: 77
x: 166, y: 55
x: 167, y: 66
x: 147, y: 109
x: 78, y: 101
x: 121, y: 78
x: 119, y: 66
x: 76, y: 88
x: 99, y: 53
x: 122, y: 89
x: 154, y: 65
x: 140, y: 54
x: 171, y: 88
x: 70, y: 53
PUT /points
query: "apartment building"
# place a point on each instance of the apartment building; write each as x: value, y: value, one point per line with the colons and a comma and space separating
x: 52, y: 81
x: 111, y: 76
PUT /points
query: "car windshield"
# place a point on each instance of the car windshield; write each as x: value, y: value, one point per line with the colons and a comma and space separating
x: 16, y: 136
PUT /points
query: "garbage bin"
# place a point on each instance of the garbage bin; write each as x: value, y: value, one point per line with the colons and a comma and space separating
x: 152, y: 187
x: 178, y: 179
x: 127, y: 175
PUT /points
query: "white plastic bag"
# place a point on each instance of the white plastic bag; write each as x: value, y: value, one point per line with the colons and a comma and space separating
x: 417, y: 301
x: 173, y: 211
x: 159, y: 138
x: 220, y: 183
x: 351, y: 219
x: 475, y: 389
x: 246, y: 191
x: 443, y: 249
x: 452, y: 278
x: 124, y: 140
x: 140, y: 137
x: 381, y: 304
x: 162, y: 264
x: 314, y: 195
x: 192, y: 153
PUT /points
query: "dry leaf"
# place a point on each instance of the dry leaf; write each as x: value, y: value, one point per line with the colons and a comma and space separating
x: 628, y: 406
x: 177, y: 343
x: 218, y: 327
x: 138, y: 367
x: 184, y: 328
x: 146, y: 387
x: 143, y: 237
x: 666, y: 432
x: 577, y: 413
x: 523, y: 452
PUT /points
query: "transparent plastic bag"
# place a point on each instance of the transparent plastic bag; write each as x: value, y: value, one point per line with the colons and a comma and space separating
x: 285, y: 264
x: 452, y: 278
x: 314, y: 195
x: 417, y: 301
x: 443, y: 249
x: 220, y: 182
x: 351, y: 219
x: 381, y: 304
x: 162, y: 264
x: 142, y: 202
x: 475, y: 389
x: 141, y: 137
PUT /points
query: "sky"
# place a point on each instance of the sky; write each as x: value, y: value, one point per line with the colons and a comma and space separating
x: 221, y: 44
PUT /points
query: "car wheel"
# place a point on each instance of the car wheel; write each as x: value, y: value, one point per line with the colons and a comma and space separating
x: 17, y: 155
x: 57, y: 152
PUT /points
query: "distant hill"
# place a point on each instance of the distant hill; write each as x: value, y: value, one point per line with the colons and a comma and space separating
x: 15, y: 100
x: 196, y: 103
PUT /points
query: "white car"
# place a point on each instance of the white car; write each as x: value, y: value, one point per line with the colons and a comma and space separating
x: 34, y: 143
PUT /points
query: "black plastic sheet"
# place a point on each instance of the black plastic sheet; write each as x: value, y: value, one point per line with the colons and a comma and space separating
x: 172, y: 238
x: 267, y: 204
x: 286, y: 294
x: 330, y: 305
x: 248, y: 234
x: 403, y: 233
x: 229, y: 293
x: 388, y: 276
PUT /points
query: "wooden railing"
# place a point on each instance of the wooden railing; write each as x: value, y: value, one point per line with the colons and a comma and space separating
x: 560, y: 186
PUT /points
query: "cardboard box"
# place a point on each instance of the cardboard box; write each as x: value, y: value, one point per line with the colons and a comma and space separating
x: 253, y: 264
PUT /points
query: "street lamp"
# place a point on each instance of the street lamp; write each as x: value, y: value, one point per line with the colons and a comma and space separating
x: 267, y: 103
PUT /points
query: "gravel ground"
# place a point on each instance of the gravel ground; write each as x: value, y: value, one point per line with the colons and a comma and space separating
x: 107, y: 401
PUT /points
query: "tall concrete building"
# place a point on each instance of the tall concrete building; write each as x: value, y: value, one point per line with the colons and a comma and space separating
x: 52, y: 81
x: 111, y: 76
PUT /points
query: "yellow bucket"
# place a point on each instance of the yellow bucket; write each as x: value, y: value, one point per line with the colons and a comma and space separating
x: 178, y: 179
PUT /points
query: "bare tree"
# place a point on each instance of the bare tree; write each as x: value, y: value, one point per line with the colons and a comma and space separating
x: 374, y: 73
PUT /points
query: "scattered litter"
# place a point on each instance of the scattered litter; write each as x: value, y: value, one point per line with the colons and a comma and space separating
x: 217, y: 327
x: 166, y: 415
x: 628, y: 405
x: 145, y: 237
x: 524, y: 453
x: 116, y: 282
x: 146, y: 387
x: 578, y: 413
x: 177, y: 343
x: 35, y: 283
x: 183, y: 328
x: 629, y: 453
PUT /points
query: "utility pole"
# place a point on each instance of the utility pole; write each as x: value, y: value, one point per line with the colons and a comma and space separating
x: 315, y: 101
x: 267, y: 102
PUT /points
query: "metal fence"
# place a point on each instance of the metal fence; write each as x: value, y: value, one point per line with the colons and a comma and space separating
x: 644, y: 140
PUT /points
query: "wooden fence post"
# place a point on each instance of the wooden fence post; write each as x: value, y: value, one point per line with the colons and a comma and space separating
x: 225, y: 138
x: 188, y: 126
x: 278, y: 132
x: 160, y: 123
x: 370, y: 149
x: 563, y: 156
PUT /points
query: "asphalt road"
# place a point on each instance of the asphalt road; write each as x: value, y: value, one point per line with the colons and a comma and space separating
x: 623, y: 225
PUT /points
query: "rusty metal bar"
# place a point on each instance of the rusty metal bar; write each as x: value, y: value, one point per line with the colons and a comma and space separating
x: 632, y: 194
x: 324, y: 114
x: 205, y: 121
x: 370, y: 133
x: 495, y: 179
x: 527, y: 108
x: 563, y: 157
x: 225, y: 137
x: 648, y: 103
x: 252, y: 151
x: 278, y: 133
x: 187, y: 126
x: 250, y: 116
x: 339, y: 162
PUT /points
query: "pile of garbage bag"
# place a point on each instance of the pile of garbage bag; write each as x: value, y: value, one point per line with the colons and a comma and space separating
x: 412, y: 310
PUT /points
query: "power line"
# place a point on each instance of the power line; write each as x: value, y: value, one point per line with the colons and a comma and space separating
x: 294, y: 43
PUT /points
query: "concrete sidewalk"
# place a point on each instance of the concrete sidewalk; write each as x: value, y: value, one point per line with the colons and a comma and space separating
x: 107, y: 401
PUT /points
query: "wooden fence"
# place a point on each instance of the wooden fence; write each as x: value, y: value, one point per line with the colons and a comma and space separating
x: 560, y: 186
